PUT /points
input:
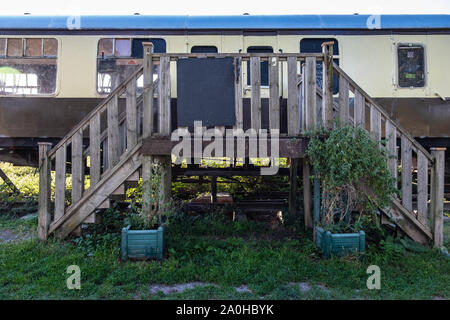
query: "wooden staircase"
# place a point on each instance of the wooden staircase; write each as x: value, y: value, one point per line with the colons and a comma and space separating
x: 106, y: 144
x: 421, y: 220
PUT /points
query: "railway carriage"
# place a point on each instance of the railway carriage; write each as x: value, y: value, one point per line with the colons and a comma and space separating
x: 54, y: 70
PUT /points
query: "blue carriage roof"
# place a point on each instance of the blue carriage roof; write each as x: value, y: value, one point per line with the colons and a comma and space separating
x: 244, y: 22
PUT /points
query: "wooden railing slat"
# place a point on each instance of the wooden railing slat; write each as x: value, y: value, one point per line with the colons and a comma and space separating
x: 44, y: 214
x: 77, y: 166
x: 94, y: 149
x: 359, y: 109
x: 375, y: 123
x: 391, y: 136
x: 310, y: 93
x: 422, y: 188
x: 147, y: 95
x: 255, y: 80
x: 356, y: 87
x: 327, y: 85
x: 239, y: 111
x: 131, y: 114
x: 60, y: 182
x: 406, y: 173
x: 100, y: 108
x: 113, y: 132
x: 274, y: 95
x: 344, y: 113
x: 164, y: 96
x: 292, y: 99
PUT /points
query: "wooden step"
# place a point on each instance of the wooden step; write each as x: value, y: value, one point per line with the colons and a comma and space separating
x: 132, y: 181
x: 94, y: 217
x: 105, y: 204
x: 95, y: 196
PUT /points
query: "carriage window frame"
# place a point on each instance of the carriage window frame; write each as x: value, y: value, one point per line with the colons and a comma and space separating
x: 404, y: 45
x: 204, y: 49
x: 336, y: 57
x: 27, y: 76
x: 103, y: 90
x: 263, y: 64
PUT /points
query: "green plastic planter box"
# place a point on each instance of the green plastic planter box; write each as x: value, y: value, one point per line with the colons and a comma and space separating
x: 339, y: 244
x: 142, y: 244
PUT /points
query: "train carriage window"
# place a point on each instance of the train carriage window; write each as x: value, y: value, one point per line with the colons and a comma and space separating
x: 314, y: 45
x: 105, y: 47
x: 50, y: 47
x: 2, y: 47
x: 122, y: 48
x: 411, y: 66
x: 26, y: 67
x: 33, y: 47
x: 264, y: 65
x: 118, y: 59
x: 204, y: 49
x: 15, y: 47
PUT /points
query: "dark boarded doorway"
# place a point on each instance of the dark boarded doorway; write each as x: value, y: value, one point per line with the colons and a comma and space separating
x: 205, y: 90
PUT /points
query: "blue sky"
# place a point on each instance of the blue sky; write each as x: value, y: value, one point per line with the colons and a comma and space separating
x: 205, y: 7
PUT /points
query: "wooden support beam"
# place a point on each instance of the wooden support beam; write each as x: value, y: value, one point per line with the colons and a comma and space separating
x: 44, y: 215
x: 255, y: 79
x: 292, y: 99
x: 327, y: 86
x: 437, y: 196
x: 147, y: 104
x: 274, y: 94
x: 293, y: 170
x: 214, y: 189
x: 166, y: 181
x: 147, y: 164
x: 8, y: 182
x: 307, y: 198
x: 310, y: 93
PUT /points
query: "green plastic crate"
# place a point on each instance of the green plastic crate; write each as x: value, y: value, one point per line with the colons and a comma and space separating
x: 142, y: 244
x: 339, y: 244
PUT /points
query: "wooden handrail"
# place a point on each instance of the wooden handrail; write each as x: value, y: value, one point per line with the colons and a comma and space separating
x: 383, y: 112
x: 99, y: 108
x: 243, y: 56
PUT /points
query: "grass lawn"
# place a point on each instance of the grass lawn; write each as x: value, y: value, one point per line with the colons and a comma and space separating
x: 223, y: 255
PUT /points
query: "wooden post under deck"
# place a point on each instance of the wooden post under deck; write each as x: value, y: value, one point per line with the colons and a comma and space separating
x: 147, y: 125
x: 44, y: 216
x: 307, y: 198
x: 293, y: 169
x: 437, y: 196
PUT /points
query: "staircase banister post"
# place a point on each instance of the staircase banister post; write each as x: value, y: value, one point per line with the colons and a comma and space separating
x: 44, y: 215
x: 147, y: 127
x: 437, y: 196
x: 327, y: 85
